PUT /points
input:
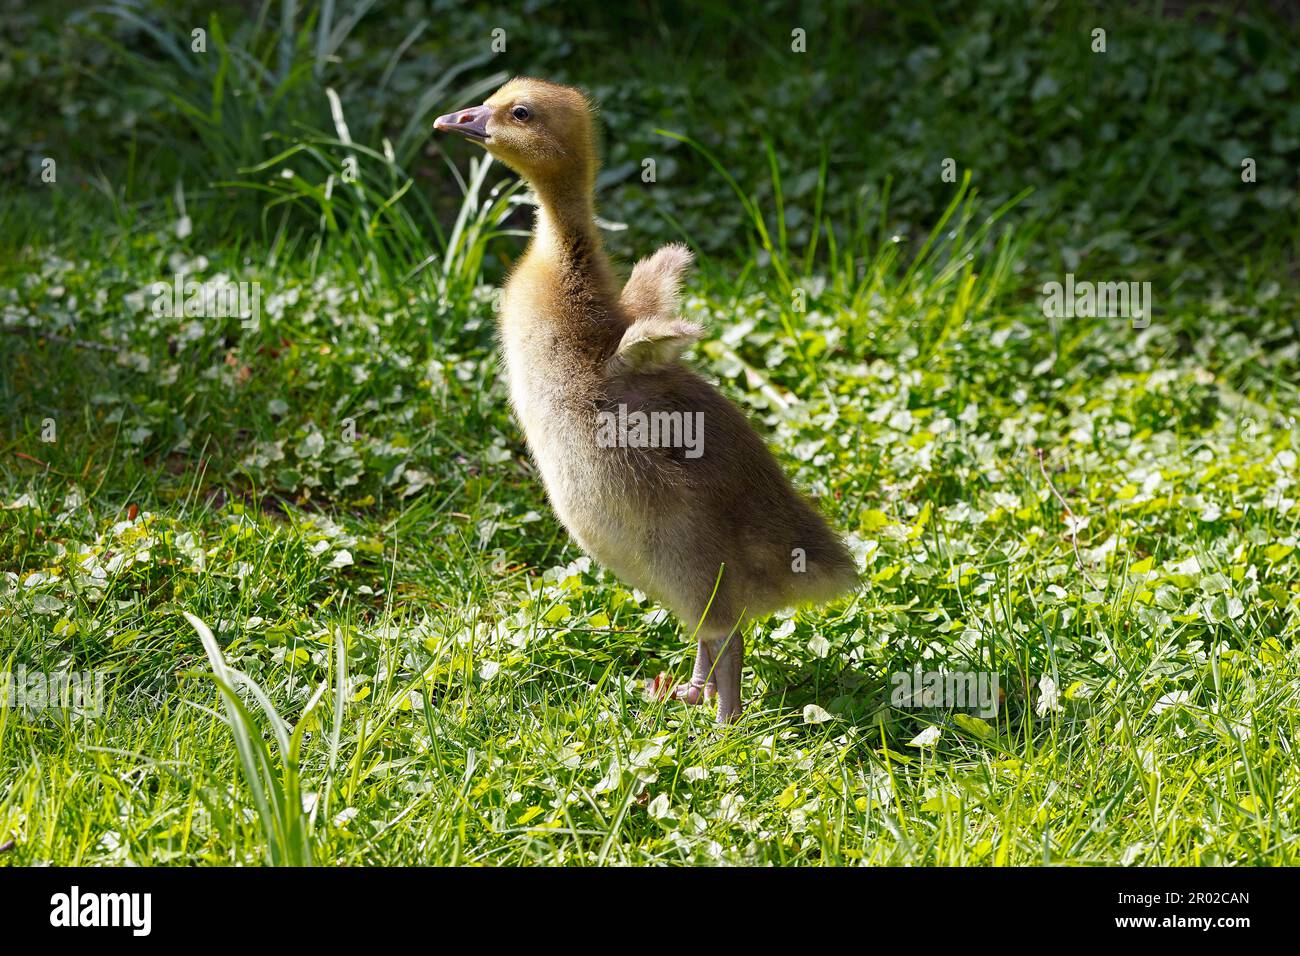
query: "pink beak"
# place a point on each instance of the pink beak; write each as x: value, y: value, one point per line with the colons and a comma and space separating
x: 470, y: 123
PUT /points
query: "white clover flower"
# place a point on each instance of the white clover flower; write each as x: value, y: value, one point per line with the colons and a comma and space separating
x: 1049, y: 697
x: 812, y: 714
x: 659, y: 807
x: 926, y: 738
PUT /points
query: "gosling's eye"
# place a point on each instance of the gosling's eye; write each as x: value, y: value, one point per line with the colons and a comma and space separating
x: 522, y: 113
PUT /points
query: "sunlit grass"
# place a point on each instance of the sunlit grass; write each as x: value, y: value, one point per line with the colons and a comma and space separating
x: 490, y: 709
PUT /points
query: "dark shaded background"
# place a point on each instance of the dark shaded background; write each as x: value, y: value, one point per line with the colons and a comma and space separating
x: 1133, y: 155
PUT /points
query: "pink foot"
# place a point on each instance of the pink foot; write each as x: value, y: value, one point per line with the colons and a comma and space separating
x: 661, y: 688
x: 694, y: 693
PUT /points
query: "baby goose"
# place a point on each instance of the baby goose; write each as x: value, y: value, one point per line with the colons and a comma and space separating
x: 711, y: 527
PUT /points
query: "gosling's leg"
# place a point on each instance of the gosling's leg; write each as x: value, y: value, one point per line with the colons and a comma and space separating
x: 698, y: 689
x: 701, y: 686
x: 728, y: 659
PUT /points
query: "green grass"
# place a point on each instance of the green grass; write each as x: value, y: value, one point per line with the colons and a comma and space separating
x: 338, y: 623
x: 446, y: 681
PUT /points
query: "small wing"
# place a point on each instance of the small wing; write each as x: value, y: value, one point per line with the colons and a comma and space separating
x: 652, y: 343
x: 652, y: 288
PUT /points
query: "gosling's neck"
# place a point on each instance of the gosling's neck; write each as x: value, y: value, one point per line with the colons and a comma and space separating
x: 567, y: 257
x: 566, y: 217
x: 566, y: 237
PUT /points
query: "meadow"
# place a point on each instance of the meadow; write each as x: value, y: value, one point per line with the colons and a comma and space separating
x: 306, y: 552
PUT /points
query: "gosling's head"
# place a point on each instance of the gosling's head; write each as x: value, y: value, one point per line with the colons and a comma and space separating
x: 543, y: 131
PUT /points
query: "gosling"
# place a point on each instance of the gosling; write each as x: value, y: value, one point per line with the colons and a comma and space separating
x: 704, y: 522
